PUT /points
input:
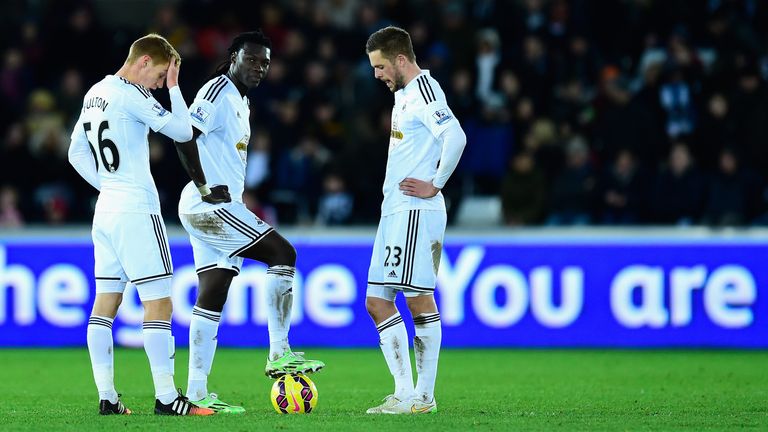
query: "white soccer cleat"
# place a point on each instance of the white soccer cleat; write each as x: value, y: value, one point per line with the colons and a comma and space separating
x: 389, y: 402
x: 421, y: 407
x: 393, y: 405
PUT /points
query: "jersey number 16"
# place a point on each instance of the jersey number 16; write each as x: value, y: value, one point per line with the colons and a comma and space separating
x: 104, y: 143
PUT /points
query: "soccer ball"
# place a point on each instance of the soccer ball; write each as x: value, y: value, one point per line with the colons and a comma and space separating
x: 294, y: 394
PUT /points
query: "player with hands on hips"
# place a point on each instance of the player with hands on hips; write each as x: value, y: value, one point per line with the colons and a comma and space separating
x: 425, y: 144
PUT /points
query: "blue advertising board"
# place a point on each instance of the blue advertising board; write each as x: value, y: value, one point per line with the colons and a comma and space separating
x: 499, y: 293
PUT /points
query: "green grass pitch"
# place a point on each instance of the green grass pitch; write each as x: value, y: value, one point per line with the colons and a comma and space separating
x: 502, y: 390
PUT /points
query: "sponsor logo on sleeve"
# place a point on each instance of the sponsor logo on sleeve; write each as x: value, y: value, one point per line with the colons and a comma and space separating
x: 200, y: 114
x: 159, y: 110
x: 441, y: 116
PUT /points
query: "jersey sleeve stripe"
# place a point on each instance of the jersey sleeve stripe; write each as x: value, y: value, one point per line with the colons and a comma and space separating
x: 144, y: 92
x: 428, y: 86
x: 218, y: 90
x: 421, y: 89
x: 215, y: 83
x: 215, y: 89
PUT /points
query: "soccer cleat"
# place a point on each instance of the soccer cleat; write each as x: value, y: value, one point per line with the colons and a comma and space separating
x: 108, y: 408
x: 393, y: 405
x: 389, y: 402
x: 291, y: 363
x: 213, y: 402
x: 181, y: 406
x: 421, y: 407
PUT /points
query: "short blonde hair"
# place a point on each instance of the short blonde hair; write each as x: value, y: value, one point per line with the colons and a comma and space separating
x: 156, y: 47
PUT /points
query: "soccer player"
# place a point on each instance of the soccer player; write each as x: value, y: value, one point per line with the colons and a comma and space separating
x: 223, y: 234
x: 425, y: 144
x: 109, y: 149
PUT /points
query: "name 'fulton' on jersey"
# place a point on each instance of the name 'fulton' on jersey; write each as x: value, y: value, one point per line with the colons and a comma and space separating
x: 419, y: 117
x: 222, y: 115
x: 115, y: 120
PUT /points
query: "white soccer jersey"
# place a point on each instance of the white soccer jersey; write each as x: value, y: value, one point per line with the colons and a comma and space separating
x: 222, y: 115
x: 419, y: 116
x: 115, y: 119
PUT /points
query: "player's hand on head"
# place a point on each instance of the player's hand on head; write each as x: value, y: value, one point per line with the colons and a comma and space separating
x: 172, y: 75
x: 219, y: 194
x: 418, y: 188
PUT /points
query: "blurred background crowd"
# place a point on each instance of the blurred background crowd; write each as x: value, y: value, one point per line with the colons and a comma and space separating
x: 650, y: 112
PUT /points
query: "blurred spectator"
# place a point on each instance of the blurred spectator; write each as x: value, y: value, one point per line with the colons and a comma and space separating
x: 70, y: 97
x: 335, y: 207
x: 257, y: 169
x: 15, y: 82
x: 488, y: 58
x: 717, y: 128
x: 523, y: 191
x: 680, y: 190
x: 298, y: 178
x: 10, y: 214
x: 572, y: 195
x: 46, y: 122
x: 750, y: 111
x: 732, y: 193
x: 623, y: 192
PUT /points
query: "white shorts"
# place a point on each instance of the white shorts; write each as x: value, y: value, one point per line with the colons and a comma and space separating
x: 406, y: 254
x: 219, y: 235
x: 131, y: 247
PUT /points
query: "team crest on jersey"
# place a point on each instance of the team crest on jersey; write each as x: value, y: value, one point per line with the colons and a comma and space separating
x: 242, y: 147
x: 159, y: 110
x: 441, y: 116
x: 200, y: 114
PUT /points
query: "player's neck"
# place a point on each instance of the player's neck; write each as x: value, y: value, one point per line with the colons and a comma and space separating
x: 242, y: 88
x: 411, y: 71
x: 127, y: 73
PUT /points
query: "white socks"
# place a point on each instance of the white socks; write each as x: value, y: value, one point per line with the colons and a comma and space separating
x: 101, y: 350
x: 279, y: 304
x: 202, y: 347
x: 158, y: 343
x: 393, y: 339
x: 426, y: 345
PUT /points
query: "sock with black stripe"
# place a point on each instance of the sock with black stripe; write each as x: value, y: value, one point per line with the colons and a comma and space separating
x: 426, y: 345
x: 203, y: 331
x: 158, y: 343
x: 393, y: 340
x: 279, y: 304
x: 101, y: 350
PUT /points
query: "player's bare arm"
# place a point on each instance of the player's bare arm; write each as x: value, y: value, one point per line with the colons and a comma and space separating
x: 190, y: 160
x: 418, y: 188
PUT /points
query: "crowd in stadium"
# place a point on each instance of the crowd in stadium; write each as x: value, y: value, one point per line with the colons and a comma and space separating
x: 600, y: 112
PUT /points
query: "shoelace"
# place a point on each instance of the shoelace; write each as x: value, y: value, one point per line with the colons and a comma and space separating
x: 182, y: 405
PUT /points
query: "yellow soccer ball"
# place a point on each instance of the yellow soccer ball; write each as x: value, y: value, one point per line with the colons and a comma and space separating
x: 294, y: 394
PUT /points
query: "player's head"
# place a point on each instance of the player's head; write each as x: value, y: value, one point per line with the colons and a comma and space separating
x: 389, y: 51
x: 151, y: 55
x: 249, y: 58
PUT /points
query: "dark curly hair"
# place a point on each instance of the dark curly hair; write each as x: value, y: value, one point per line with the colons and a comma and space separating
x: 256, y: 37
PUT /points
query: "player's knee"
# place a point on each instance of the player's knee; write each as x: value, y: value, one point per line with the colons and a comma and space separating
x: 379, y: 309
x: 160, y: 309
x: 286, y: 256
x: 213, y: 299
